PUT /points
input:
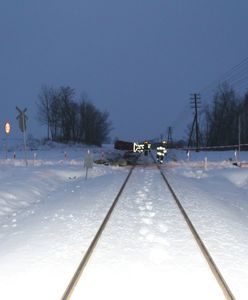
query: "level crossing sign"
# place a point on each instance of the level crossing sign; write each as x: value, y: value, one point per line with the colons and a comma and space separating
x: 22, y: 118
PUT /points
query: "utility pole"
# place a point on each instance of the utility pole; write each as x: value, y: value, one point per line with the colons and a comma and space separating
x: 195, y: 101
x: 239, y: 136
x: 169, y: 136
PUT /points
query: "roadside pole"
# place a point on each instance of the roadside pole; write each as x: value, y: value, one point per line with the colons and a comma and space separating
x: 25, y: 142
x: 239, y: 135
x: 88, y: 163
x: 7, y: 132
x: 22, y: 125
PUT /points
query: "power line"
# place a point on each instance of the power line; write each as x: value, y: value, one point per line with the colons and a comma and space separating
x: 224, y: 76
x: 236, y: 78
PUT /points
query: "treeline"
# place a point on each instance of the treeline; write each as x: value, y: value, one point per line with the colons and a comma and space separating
x: 225, y: 119
x: 70, y: 120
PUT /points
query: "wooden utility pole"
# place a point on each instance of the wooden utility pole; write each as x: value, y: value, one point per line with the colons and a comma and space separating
x: 169, y: 136
x: 239, y: 136
x: 195, y: 101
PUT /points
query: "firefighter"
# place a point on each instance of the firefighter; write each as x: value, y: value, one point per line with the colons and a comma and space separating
x: 161, y: 151
x: 147, y: 148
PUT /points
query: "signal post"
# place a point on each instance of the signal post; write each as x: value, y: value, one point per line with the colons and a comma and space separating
x: 22, y: 118
x: 7, y: 129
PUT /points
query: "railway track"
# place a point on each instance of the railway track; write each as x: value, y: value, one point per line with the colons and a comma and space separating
x: 70, y: 288
x: 212, y: 265
x: 201, y: 246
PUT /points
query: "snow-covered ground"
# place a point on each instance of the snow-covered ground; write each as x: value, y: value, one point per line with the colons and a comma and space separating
x: 49, y: 214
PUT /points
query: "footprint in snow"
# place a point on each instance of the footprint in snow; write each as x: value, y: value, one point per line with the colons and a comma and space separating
x: 149, y: 206
x: 147, y: 221
x: 156, y: 239
x: 144, y: 231
x: 147, y: 214
x: 141, y: 194
x: 162, y: 228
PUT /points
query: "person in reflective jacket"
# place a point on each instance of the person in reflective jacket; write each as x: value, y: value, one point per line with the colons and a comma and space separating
x: 161, y: 151
x: 147, y: 147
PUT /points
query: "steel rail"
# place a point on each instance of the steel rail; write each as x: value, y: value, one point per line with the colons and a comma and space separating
x: 75, y: 278
x: 215, y: 270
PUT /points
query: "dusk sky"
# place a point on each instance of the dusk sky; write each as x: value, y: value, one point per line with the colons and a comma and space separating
x: 139, y: 60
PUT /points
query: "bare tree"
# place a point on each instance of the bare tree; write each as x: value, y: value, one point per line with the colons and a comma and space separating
x: 94, y: 125
x: 55, y: 115
x: 221, y: 118
x: 243, y: 115
x: 44, y: 107
x: 67, y: 112
x: 68, y: 120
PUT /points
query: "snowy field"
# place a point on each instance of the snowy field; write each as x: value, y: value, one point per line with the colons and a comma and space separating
x: 49, y: 213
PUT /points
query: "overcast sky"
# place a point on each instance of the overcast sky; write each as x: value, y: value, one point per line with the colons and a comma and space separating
x: 137, y: 59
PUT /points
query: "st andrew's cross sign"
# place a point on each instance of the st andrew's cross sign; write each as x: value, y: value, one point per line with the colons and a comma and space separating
x: 22, y: 118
